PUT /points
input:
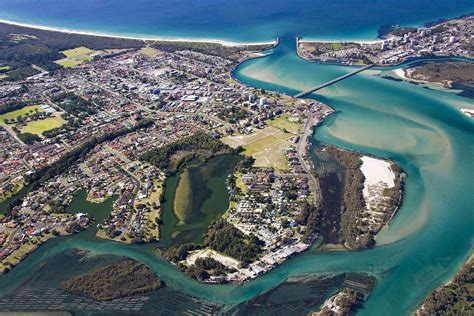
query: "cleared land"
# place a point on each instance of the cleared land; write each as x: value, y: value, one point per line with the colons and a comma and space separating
x: 75, y: 56
x: 75, y: 52
x: 26, y: 111
x: 266, y: 145
x: 40, y: 126
x: 148, y: 51
x: 287, y: 122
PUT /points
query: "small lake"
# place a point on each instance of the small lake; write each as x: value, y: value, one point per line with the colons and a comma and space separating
x: 194, y: 198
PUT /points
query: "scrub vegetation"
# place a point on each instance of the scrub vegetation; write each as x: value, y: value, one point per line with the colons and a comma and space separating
x: 122, y: 279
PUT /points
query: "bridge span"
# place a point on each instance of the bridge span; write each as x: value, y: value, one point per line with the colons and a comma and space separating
x: 306, y: 92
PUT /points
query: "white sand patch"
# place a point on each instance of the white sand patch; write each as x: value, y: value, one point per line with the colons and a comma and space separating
x: 400, y: 72
x: 209, y: 253
x: 376, y: 171
x: 468, y: 112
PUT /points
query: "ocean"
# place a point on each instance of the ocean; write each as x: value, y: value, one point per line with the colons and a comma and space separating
x: 232, y: 20
x: 420, y: 129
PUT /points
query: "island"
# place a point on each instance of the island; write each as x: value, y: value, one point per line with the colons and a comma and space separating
x: 122, y: 279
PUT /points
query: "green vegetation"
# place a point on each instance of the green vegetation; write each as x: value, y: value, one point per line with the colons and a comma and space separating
x: 71, y: 158
x: 22, y: 47
x: 460, y: 74
x: 203, y: 268
x: 21, y: 111
x: 354, y: 203
x: 232, y: 114
x: 179, y: 252
x: 286, y: 122
x: 74, y: 104
x: 76, y: 52
x: 174, y: 156
x: 122, y: 279
x: 229, y: 52
x: 266, y: 145
x: 458, y: 71
x: 318, y: 48
x: 13, y: 105
x: 401, y: 31
x: 29, y: 138
x: 183, y: 197
x: 225, y: 238
x: 40, y: 126
x: 75, y: 56
x: 455, y: 298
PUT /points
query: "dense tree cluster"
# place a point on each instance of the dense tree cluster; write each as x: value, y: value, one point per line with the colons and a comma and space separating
x: 199, y: 143
x: 232, y: 114
x: 354, y: 203
x: 117, y: 280
x: 28, y: 138
x: 42, y: 48
x: 74, y: 104
x: 225, y: 238
x: 456, y: 298
x: 12, y: 106
x: 177, y: 253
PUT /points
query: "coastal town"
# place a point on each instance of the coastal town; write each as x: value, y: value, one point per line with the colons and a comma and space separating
x: 447, y: 38
x: 116, y: 123
x: 86, y: 127
x: 208, y: 159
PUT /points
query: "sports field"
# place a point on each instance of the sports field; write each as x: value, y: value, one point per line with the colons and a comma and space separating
x: 40, y: 126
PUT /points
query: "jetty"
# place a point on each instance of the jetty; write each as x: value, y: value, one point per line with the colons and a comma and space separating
x: 328, y: 83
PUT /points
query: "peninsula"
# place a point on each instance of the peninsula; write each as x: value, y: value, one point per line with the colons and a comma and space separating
x: 117, y: 117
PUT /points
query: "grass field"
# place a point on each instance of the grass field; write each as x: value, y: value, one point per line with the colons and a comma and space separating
x: 148, y: 51
x: 27, y: 110
x: 283, y: 122
x: 75, y: 57
x: 40, y: 126
x: 75, y: 52
x: 266, y: 145
x: 4, y: 68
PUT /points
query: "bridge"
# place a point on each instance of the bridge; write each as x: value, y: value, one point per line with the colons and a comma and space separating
x: 306, y: 92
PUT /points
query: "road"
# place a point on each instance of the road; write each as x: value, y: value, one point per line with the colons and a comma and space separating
x: 307, y: 132
x: 309, y: 91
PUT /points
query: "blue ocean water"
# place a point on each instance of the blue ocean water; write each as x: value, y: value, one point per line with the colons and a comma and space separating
x: 233, y: 20
x: 420, y: 129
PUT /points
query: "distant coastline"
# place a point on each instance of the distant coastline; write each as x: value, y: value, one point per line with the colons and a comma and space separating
x: 131, y: 37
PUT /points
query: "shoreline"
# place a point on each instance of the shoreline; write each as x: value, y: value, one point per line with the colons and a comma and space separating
x: 367, y: 42
x: 140, y: 38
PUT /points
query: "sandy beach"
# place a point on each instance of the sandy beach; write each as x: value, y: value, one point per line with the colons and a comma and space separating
x: 367, y: 42
x: 468, y: 112
x: 143, y: 38
x: 376, y: 171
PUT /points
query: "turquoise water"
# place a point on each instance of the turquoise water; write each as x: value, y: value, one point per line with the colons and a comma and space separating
x: 233, y: 20
x: 428, y: 136
x: 420, y: 129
